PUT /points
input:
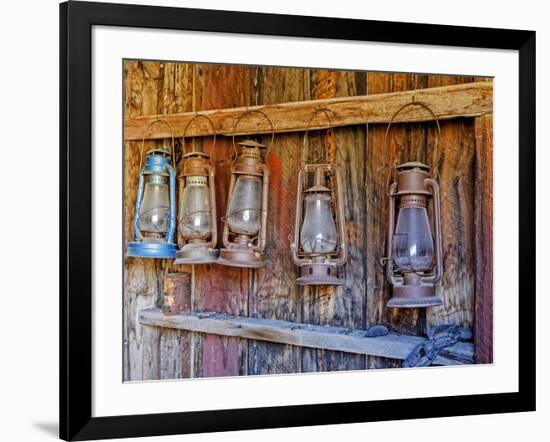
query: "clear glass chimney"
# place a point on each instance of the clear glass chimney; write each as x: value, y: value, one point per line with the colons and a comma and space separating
x: 413, y: 246
x: 194, y: 218
x: 244, y: 214
x: 318, y: 233
x: 153, y: 215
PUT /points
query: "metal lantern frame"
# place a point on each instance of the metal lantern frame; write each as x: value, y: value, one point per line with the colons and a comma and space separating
x: 247, y: 251
x: 413, y: 187
x: 156, y: 163
x: 319, y: 268
x: 198, y: 164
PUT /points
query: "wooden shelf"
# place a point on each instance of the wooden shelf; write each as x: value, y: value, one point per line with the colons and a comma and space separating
x: 463, y: 100
x: 303, y: 335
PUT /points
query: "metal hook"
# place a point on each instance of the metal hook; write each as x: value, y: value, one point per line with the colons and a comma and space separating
x: 152, y: 123
x: 412, y: 103
x: 326, y: 112
x: 189, y: 124
x: 254, y: 111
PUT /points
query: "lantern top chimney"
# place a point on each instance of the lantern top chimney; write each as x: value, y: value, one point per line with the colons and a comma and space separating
x: 251, y: 149
x: 318, y: 185
x: 251, y: 143
x: 413, y: 165
x: 158, y: 150
x: 196, y: 154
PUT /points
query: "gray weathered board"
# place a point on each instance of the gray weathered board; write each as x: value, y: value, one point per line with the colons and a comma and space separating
x: 303, y: 335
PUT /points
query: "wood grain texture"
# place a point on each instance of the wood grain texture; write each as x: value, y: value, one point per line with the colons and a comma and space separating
x: 344, y: 305
x: 141, y: 285
x: 177, y: 293
x: 340, y: 340
x: 175, y: 348
x: 221, y: 288
x: 447, y: 102
x: 405, y: 143
x: 483, y: 227
x: 270, y: 295
x: 151, y: 88
x: 452, y: 159
x: 464, y: 162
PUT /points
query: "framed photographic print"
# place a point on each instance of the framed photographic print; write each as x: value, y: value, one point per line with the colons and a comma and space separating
x: 272, y: 220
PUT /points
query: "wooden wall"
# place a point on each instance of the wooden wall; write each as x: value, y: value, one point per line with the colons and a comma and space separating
x: 159, y: 88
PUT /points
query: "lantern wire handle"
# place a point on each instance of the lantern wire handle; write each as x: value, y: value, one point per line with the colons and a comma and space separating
x: 189, y: 124
x: 412, y: 103
x: 145, y: 131
x: 248, y: 112
x: 319, y: 110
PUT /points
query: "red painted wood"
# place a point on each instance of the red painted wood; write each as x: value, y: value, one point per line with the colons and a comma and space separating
x: 220, y: 288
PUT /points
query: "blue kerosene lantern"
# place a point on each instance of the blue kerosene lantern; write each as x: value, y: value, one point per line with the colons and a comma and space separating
x: 155, y: 214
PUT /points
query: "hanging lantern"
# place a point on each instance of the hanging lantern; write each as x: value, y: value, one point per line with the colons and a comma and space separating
x: 244, y: 233
x: 155, y: 213
x: 319, y: 245
x: 414, y: 257
x: 197, y: 208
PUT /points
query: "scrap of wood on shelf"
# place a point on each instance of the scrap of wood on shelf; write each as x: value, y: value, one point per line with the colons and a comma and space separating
x: 462, y: 100
x: 303, y: 335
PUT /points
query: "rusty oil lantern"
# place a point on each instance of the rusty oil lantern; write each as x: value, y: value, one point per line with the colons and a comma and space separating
x: 244, y: 233
x: 319, y: 245
x: 414, y: 257
x: 197, y: 208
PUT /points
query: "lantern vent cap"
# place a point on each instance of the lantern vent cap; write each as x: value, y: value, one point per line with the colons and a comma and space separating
x: 252, y: 143
x: 158, y: 150
x: 413, y: 165
x: 317, y: 189
x: 196, y: 154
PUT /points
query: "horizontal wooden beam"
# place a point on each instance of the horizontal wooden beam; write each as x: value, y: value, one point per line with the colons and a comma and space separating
x: 463, y: 100
x: 303, y: 335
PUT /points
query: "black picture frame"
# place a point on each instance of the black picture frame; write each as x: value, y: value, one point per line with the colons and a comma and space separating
x: 76, y: 21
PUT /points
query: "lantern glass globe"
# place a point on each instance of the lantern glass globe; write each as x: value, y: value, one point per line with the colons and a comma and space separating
x: 413, y: 246
x: 194, y: 219
x: 153, y: 214
x: 245, y: 207
x: 318, y: 233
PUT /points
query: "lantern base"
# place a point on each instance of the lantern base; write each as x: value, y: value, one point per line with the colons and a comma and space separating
x: 196, y: 254
x: 160, y: 250
x: 318, y: 274
x: 414, y: 296
x: 237, y: 255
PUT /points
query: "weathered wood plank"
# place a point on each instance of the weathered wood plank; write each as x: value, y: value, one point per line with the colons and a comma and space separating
x: 173, y: 96
x: 344, y: 305
x: 175, y: 345
x: 483, y: 325
x: 405, y: 143
x: 304, y: 335
x: 156, y: 88
x: 466, y: 100
x: 273, y: 295
x: 141, y: 285
x: 221, y: 288
x: 151, y: 88
x: 455, y: 160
